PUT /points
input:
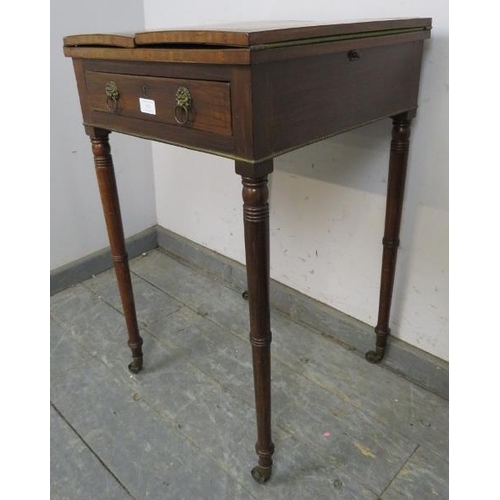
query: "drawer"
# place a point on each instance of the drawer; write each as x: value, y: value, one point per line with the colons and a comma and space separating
x: 197, y: 104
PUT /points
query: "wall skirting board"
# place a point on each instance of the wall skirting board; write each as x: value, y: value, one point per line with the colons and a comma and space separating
x: 422, y: 368
x: 100, y: 261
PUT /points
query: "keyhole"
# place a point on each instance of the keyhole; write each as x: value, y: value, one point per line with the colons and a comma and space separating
x: 354, y: 55
x: 145, y: 90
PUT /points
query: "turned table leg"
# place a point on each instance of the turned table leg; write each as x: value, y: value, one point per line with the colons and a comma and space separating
x: 111, y: 206
x: 256, y: 226
x: 400, y: 145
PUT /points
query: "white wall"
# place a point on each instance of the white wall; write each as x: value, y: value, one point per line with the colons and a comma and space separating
x: 77, y: 223
x: 328, y: 200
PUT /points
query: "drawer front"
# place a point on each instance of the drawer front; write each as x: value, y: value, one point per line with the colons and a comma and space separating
x: 196, y: 104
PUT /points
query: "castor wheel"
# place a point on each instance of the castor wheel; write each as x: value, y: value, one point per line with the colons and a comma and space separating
x: 245, y: 295
x: 261, y: 474
x: 375, y: 356
x: 136, y: 365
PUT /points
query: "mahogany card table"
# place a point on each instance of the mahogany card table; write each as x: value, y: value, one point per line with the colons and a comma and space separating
x: 251, y: 92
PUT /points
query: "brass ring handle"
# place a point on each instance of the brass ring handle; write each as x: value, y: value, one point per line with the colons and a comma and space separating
x: 112, y: 96
x: 112, y: 107
x: 185, y: 114
x: 183, y: 102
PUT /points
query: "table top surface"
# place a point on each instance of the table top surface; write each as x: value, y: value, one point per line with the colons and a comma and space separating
x: 250, y: 34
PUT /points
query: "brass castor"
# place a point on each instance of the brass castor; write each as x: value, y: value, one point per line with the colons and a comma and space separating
x: 375, y: 356
x: 136, y: 365
x: 262, y: 474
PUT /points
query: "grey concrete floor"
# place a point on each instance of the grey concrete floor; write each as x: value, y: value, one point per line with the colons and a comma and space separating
x: 184, y: 428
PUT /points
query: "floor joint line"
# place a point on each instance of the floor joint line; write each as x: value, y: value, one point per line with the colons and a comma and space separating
x: 68, y: 423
